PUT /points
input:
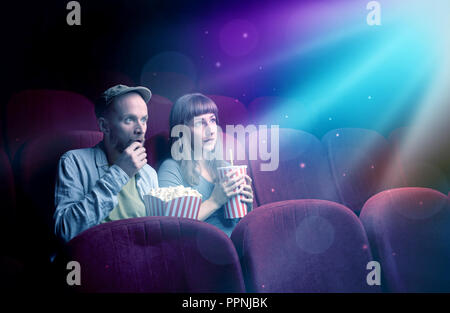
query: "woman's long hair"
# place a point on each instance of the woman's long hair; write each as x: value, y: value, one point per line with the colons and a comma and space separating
x: 183, y: 111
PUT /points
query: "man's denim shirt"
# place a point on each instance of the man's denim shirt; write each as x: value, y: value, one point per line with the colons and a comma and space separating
x: 87, y: 187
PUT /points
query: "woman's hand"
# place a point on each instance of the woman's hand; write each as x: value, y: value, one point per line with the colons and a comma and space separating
x: 227, y: 188
x: 234, y: 185
x: 247, y: 192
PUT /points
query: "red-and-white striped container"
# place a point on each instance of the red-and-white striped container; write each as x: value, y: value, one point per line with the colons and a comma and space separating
x: 234, y: 208
x: 186, y: 206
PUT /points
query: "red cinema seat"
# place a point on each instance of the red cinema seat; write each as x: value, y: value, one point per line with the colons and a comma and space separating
x: 157, y: 135
x: 31, y: 113
x: 157, y: 148
x: 360, y: 162
x: 158, y: 115
x: 409, y: 233
x: 303, y: 246
x: 231, y: 111
x: 302, y: 171
x: 156, y: 254
x: 38, y: 165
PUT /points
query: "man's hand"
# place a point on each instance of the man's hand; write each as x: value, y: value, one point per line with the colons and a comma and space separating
x: 132, y: 159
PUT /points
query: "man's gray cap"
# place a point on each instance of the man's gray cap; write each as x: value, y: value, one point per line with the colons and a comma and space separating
x: 118, y: 90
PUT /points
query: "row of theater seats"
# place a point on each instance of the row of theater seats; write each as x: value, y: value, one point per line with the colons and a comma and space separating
x: 31, y: 113
x: 406, y: 222
x: 36, y: 112
x: 347, y: 166
x: 288, y: 246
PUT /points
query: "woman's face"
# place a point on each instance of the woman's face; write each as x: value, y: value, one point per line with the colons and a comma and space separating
x: 204, y: 132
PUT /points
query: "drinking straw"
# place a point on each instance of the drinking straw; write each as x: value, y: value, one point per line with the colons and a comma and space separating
x: 231, y: 156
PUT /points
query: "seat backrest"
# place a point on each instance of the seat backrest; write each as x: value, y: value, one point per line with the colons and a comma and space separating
x: 231, y: 111
x: 37, y: 172
x: 39, y: 161
x: 303, y: 246
x: 156, y: 254
x: 157, y: 149
x: 32, y: 112
x: 359, y: 161
x: 408, y: 230
x: 303, y: 171
x: 158, y: 115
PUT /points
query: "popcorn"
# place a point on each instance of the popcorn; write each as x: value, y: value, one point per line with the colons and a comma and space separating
x: 176, y: 201
x: 169, y: 193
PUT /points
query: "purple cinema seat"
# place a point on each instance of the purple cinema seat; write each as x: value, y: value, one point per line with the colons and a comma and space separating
x: 231, y: 111
x: 156, y: 254
x: 359, y: 160
x: 35, y: 112
x: 157, y: 148
x: 303, y: 246
x: 38, y: 163
x: 409, y: 233
x: 158, y: 115
x: 157, y: 135
x: 303, y: 171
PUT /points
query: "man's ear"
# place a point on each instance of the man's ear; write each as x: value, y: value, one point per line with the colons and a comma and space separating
x: 103, y: 124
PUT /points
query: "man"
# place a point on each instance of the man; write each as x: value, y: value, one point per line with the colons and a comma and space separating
x: 107, y: 182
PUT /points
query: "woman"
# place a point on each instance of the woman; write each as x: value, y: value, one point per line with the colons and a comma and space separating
x: 195, y: 164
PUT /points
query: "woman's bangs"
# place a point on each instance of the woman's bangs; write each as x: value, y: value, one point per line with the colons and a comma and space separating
x: 202, y: 105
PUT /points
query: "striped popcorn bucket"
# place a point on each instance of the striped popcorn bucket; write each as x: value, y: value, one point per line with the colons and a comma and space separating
x: 187, y: 206
x: 234, y: 208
